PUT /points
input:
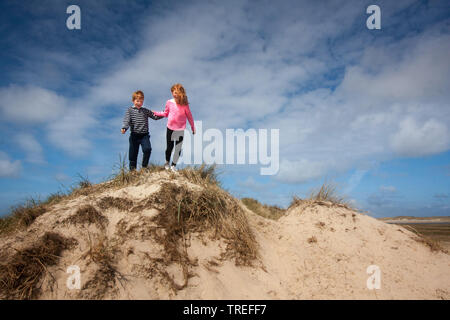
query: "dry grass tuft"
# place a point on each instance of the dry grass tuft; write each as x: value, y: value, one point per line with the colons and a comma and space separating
x: 122, y: 204
x: 184, y: 211
x: 87, y: 214
x: 21, y: 275
x: 209, y: 209
x: 266, y: 211
x: 327, y: 192
x: 55, y: 198
x: 22, y: 216
x: 124, y: 177
x: 326, y: 195
x: 103, y: 253
x: 203, y: 174
x: 296, y: 201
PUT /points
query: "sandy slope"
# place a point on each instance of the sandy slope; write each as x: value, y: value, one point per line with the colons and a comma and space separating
x: 290, y: 266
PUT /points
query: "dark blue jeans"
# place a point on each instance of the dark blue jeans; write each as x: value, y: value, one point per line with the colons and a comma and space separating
x: 143, y: 140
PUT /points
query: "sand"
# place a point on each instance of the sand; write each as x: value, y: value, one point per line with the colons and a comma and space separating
x: 316, y: 251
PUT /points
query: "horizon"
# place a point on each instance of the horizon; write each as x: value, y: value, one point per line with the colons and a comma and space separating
x: 367, y: 109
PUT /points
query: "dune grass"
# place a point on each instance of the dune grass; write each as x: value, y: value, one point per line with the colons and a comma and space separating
x: 87, y: 214
x: 264, y: 210
x: 23, y: 215
x: 209, y: 211
x: 210, y: 208
x: 21, y: 275
x: 328, y: 192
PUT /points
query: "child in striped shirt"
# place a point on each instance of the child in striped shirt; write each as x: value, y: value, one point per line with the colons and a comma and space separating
x: 136, y: 118
x: 177, y: 110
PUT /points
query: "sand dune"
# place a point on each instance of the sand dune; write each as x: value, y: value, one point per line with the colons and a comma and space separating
x: 118, y: 238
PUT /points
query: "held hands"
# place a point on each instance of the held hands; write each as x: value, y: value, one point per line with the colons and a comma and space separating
x: 123, y: 130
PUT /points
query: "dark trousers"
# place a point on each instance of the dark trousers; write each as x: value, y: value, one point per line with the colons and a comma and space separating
x: 174, y: 138
x: 142, y: 139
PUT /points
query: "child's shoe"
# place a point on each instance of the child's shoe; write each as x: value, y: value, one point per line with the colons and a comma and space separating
x: 166, y: 166
x: 172, y: 167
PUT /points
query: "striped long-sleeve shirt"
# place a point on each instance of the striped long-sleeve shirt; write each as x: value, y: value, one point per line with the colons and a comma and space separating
x: 137, y: 119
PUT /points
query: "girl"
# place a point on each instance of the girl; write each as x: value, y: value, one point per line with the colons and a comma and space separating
x: 177, y: 109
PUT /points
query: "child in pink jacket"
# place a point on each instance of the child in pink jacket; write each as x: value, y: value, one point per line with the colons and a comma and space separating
x: 177, y: 110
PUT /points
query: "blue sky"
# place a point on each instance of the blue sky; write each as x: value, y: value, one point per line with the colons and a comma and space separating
x: 367, y: 109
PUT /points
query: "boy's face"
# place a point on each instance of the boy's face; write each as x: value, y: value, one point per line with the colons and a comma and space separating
x: 138, y: 101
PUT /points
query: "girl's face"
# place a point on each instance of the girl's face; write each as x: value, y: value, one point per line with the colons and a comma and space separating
x: 176, y: 95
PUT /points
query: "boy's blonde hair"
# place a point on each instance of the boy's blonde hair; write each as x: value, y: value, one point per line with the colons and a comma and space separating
x: 183, y: 100
x: 136, y: 94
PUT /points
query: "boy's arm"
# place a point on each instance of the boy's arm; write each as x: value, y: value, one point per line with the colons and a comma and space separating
x: 190, y: 119
x: 126, y: 120
x: 165, y: 113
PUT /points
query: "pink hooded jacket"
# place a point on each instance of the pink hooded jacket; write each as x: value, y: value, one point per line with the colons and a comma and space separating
x: 177, y: 115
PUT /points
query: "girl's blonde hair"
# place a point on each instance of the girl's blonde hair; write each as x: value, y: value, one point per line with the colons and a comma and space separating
x: 182, y: 100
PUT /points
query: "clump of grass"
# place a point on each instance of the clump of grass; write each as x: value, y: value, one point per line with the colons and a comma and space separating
x: 102, y: 252
x: 203, y: 174
x: 327, y: 193
x: 312, y: 239
x: 87, y: 214
x: 21, y: 275
x: 122, y: 204
x: 22, y: 216
x: 123, y: 176
x: 55, y: 198
x: 185, y: 211
x: 83, y: 182
x: 82, y: 187
x: 266, y: 211
x: 296, y: 201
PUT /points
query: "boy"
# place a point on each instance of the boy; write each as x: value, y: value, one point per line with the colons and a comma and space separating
x: 136, y: 118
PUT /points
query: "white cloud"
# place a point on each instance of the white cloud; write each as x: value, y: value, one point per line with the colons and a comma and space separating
x: 303, y: 170
x: 31, y: 146
x: 30, y: 104
x: 418, y: 139
x: 270, y: 69
x: 71, y: 133
x: 8, y: 168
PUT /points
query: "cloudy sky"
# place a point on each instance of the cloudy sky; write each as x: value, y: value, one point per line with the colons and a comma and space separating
x: 367, y: 109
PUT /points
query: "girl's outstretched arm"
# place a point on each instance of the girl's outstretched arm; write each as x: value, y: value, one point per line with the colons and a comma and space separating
x: 165, y: 113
